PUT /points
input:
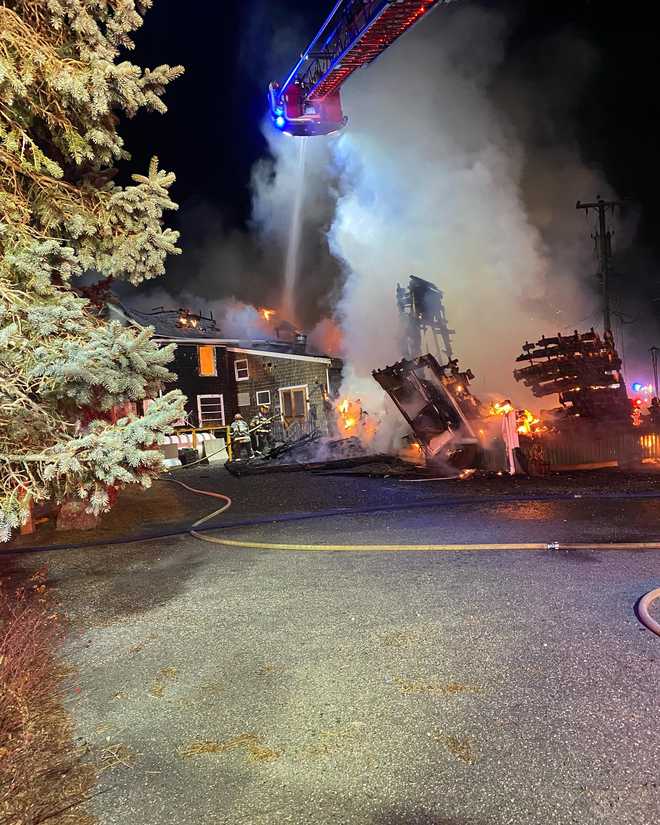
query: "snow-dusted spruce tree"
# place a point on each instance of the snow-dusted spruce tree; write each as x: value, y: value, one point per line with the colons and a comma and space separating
x: 62, y: 370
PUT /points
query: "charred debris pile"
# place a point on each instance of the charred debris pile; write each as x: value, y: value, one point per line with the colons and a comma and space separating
x: 451, y: 432
x: 437, y: 403
x: 584, y: 370
x: 318, y: 455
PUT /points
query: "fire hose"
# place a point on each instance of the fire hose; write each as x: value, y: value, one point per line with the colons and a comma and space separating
x: 553, y: 546
x: 199, y: 525
x: 642, y: 608
x: 282, y: 518
x: 643, y: 611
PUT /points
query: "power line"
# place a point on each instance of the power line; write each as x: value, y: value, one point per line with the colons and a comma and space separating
x: 603, y: 240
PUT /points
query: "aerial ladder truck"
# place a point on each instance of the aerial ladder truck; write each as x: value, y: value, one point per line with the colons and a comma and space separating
x: 353, y: 35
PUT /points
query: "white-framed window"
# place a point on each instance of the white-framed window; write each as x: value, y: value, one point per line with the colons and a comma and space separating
x: 263, y: 398
x: 211, y: 410
x: 241, y: 369
x: 206, y: 361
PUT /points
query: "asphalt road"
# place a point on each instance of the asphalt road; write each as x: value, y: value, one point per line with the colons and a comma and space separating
x: 249, y: 687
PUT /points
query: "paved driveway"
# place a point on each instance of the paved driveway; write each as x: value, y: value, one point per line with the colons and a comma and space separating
x: 243, y: 686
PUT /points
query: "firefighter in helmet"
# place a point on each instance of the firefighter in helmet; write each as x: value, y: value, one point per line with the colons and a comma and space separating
x: 261, y: 430
x: 240, y: 438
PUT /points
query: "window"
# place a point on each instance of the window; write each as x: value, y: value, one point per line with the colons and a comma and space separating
x: 293, y: 401
x: 263, y: 398
x: 244, y: 399
x: 210, y: 410
x: 241, y: 369
x: 206, y: 360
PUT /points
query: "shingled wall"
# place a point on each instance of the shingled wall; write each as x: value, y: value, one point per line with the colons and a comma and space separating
x: 266, y: 372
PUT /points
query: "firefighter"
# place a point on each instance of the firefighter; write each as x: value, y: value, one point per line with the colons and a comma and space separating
x: 240, y: 438
x: 510, y: 438
x: 260, y: 427
x: 654, y: 412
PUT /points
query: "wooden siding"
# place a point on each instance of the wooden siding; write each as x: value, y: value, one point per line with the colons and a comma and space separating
x: 266, y: 373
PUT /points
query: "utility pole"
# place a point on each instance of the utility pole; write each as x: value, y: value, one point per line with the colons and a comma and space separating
x: 603, y: 239
x: 654, y: 366
x: 623, y: 320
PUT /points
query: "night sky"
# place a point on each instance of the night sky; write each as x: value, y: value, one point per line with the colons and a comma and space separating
x: 211, y: 136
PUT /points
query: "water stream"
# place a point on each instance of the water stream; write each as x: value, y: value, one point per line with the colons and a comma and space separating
x: 295, y: 233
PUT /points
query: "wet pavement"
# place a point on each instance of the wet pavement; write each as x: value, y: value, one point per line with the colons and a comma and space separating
x: 245, y: 686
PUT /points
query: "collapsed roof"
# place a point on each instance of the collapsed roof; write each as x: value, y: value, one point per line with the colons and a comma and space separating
x: 437, y: 404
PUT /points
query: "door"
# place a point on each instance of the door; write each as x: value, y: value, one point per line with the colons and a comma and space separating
x: 293, y: 404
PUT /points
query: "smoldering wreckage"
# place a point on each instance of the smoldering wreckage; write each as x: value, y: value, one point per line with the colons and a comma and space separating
x: 449, y: 432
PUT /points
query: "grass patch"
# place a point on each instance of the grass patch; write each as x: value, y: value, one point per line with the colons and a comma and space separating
x: 255, y: 749
x: 44, y: 775
x: 459, y: 746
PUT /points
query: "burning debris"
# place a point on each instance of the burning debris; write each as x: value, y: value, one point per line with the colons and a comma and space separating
x: 584, y: 369
x: 437, y: 404
x: 529, y: 424
x: 353, y: 420
x: 189, y: 320
x: 308, y: 452
x: 526, y: 422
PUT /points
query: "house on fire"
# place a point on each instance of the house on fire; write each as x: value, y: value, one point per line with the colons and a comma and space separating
x: 222, y: 376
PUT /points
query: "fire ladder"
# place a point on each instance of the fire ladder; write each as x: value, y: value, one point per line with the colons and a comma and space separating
x: 354, y: 34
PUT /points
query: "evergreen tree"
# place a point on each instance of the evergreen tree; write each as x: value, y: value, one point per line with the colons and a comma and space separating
x: 62, y: 370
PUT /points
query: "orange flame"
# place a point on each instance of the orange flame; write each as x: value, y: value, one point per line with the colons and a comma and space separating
x: 349, y: 413
x: 527, y: 422
x: 267, y: 314
x: 352, y: 419
x: 500, y: 408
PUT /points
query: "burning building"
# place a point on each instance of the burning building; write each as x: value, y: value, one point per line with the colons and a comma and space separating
x: 222, y: 376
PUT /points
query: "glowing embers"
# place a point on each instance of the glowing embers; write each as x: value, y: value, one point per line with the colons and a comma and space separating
x: 500, y: 407
x: 353, y: 420
x: 187, y: 320
x: 526, y: 422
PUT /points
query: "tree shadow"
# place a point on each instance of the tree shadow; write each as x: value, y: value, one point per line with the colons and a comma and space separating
x: 100, y: 585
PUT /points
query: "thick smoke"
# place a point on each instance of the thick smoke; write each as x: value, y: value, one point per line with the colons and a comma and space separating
x: 229, y: 265
x: 461, y: 165
x: 441, y: 178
